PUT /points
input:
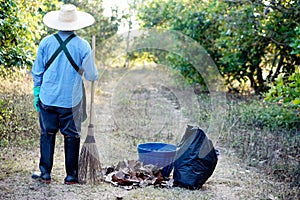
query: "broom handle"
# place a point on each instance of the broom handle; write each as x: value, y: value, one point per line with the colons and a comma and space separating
x: 93, y: 82
x: 92, y: 103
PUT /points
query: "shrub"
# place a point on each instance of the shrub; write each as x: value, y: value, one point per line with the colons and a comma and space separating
x: 268, y: 116
x: 286, y: 91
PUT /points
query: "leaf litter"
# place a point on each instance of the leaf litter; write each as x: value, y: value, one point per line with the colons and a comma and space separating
x: 131, y: 174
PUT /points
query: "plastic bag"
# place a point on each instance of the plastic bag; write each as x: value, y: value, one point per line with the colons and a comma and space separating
x: 195, y: 160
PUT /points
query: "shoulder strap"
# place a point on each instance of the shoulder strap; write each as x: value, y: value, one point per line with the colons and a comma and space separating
x: 63, y: 47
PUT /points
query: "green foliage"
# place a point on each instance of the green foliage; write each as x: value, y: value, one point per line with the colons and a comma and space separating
x: 191, y: 75
x: 268, y: 116
x: 22, y: 28
x: 250, y: 41
x: 262, y: 116
x: 180, y: 16
x: 20, y: 31
x: 12, y: 34
x: 295, y: 44
x: 257, y: 41
x: 286, y: 90
x: 104, y: 27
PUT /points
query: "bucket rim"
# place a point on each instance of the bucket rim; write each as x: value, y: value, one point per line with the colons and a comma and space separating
x: 143, y: 146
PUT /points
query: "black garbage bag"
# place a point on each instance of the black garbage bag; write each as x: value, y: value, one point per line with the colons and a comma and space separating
x: 195, y: 160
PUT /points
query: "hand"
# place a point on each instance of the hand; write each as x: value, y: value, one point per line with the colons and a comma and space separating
x: 36, y: 100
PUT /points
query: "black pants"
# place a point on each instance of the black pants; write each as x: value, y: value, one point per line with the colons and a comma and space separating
x: 68, y: 121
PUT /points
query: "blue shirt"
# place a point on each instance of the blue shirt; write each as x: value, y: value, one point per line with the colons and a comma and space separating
x: 61, y: 84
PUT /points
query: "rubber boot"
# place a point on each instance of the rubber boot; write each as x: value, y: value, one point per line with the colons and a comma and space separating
x: 72, y: 145
x: 47, y: 146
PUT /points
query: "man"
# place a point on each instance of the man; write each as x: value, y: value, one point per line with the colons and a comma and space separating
x: 61, y: 60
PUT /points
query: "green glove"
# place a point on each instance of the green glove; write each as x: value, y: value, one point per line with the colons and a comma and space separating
x: 36, y: 93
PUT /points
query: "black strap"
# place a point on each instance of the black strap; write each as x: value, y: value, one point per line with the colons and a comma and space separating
x: 63, y: 47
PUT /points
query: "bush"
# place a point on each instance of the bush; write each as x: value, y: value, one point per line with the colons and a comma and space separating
x: 286, y: 91
x: 254, y: 113
x: 269, y: 116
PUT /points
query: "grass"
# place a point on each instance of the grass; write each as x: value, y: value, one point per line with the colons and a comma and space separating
x: 18, y: 119
x: 265, y: 136
x: 259, y: 155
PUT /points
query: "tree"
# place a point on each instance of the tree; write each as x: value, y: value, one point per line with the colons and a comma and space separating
x: 22, y: 28
x: 250, y: 41
x: 13, y: 51
x: 255, y: 41
x: 20, y: 32
x: 104, y: 27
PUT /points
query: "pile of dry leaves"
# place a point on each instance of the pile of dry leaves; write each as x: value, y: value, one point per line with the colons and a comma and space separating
x: 131, y: 174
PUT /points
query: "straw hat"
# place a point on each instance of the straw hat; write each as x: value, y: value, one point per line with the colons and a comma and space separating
x: 68, y: 19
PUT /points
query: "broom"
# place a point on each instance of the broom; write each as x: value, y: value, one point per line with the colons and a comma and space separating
x: 89, y: 166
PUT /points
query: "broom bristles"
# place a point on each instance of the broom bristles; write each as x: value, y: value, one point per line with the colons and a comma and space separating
x: 89, y: 166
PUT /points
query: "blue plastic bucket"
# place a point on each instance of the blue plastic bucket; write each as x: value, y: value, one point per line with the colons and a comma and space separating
x: 158, y: 154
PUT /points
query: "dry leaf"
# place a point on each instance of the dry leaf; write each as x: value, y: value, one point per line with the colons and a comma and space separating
x: 131, y: 174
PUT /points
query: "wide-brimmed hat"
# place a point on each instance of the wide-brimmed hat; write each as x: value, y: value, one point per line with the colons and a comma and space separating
x: 68, y: 19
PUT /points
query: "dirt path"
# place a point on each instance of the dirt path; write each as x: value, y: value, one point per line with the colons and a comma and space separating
x: 117, y: 138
